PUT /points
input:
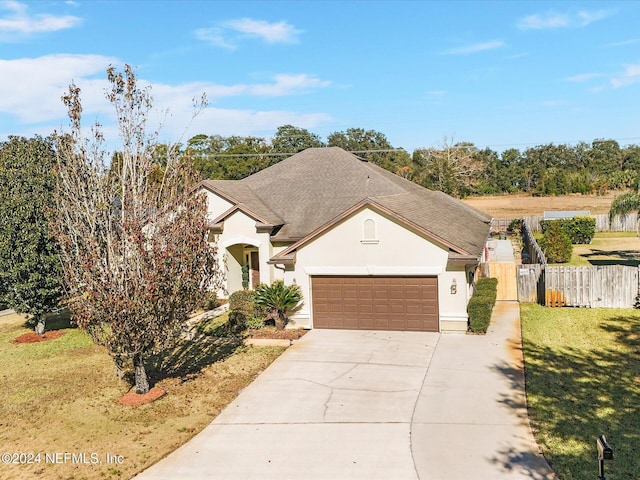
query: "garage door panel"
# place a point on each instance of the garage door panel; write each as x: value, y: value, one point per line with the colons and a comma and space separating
x: 380, y: 303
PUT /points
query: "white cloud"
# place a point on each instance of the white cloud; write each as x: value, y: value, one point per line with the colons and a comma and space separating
x: 623, y: 43
x: 630, y: 76
x: 286, y: 84
x: 280, y: 32
x: 215, y: 36
x: 283, y: 85
x: 475, y: 48
x: 242, y: 122
x: 228, y: 34
x: 516, y: 56
x: 539, y: 22
x: 18, y: 21
x: 32, y: 90
x: 32, y: 87
x: 585, y: 17
x: 552, y: 20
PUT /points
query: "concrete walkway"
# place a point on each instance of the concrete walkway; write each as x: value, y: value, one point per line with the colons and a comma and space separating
x: 471, y: 419
x: 376, y: 405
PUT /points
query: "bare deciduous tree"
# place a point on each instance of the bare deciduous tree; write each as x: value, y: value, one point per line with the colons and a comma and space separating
x: 452, y: 168
x: 135, y: 255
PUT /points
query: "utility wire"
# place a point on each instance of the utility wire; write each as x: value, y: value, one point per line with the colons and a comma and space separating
x: 274, y: 154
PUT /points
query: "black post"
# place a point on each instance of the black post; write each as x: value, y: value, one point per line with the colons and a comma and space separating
x: 601, y: 470
x: 605, y: 452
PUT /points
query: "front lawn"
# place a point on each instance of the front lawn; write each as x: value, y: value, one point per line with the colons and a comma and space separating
x: 59, y: 398
x: 583, y: 380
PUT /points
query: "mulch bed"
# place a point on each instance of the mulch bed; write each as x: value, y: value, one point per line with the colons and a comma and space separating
x: 33, y: 337
x: 133, y: 399
x: 272, y: 332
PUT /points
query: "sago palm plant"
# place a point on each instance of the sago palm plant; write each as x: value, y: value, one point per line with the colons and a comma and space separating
x: 277, y: 299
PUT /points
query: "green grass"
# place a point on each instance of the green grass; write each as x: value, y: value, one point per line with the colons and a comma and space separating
x: 583, y: 380
x: 215, y: 326
x: 606, y: 248
x: 61, y: 396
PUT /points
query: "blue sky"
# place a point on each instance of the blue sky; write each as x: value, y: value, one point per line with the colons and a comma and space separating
x: 498, y: 74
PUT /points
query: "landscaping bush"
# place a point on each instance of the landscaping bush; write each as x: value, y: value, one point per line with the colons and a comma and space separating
x: 244, y: 301
x: 515, y: 227
x: 245, y: 276
x: 211, y: 301
x: 481, y: 304
x: 237, y: 321
x: 487, y: 286
x: 556, y: 244
x: 276, y: 299
x: 255, y: 322
x: 580, y: 229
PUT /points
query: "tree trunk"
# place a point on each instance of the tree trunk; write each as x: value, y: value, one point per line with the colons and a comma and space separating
x: 280, y: 320
x: 142, y: 383
x: 40, y: 325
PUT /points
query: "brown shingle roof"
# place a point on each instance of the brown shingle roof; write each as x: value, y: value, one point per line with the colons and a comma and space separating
x: 313, y: 187
x: 239, y: 193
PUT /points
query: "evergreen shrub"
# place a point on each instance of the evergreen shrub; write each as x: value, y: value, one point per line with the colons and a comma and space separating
x: 481, y: 304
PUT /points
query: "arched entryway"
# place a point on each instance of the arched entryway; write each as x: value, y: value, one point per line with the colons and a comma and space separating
x: 242, y: 263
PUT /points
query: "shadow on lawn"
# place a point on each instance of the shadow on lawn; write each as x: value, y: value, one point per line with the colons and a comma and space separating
x: 190, y: 356
x: 618, y: 257
x: 520, y: 456
x: 60, y: 320
x: 576, y: 395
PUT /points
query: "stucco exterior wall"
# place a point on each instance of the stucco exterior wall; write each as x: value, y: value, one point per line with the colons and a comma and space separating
x: 239, y: 229
x: 349, y: 248
x: 216, y: 205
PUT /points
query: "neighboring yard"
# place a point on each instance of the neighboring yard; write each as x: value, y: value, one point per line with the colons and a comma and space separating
x: 518, y: 206
x: 583, y: 380
x: 609, y: 248
x: 60, y: 396
x: 606, y: 248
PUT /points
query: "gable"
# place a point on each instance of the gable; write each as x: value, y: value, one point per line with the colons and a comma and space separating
x: 216, y: 205
x: 370, y: 237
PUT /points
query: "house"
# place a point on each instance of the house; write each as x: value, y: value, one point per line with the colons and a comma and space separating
x: 369, y: 249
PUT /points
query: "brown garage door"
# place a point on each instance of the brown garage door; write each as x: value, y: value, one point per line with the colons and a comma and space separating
x: 375, y: 303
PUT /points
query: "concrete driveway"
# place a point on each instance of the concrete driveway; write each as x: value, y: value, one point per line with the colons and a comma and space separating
x: 375, y: 405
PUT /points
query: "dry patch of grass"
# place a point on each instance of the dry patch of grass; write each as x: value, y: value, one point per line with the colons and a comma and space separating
x: 517, y: 206
x: 60, y: 397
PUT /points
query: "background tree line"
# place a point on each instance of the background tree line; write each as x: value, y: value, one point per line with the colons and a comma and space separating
x: 458, y: 169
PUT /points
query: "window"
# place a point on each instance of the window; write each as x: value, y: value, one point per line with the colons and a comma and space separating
x: 369, y: 232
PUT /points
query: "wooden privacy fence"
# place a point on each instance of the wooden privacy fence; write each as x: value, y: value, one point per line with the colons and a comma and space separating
x: 620, y: 223
x: 606, y: 286
x: 533, y: 250
x: 530, y: 288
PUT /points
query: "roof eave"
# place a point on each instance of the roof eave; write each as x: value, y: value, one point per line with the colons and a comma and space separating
x: 289, y: 259
x: 459, y: 259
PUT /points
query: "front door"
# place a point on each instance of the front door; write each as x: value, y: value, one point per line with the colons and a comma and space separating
x: 254, y: 266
